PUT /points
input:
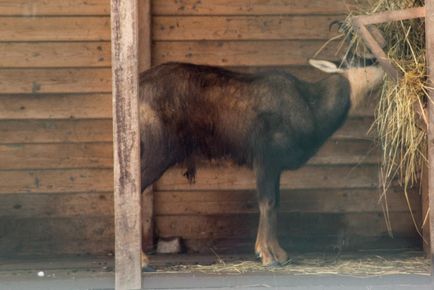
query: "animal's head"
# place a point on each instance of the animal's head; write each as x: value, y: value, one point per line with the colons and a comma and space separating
x: 363, y: 78
x: 359, y: 66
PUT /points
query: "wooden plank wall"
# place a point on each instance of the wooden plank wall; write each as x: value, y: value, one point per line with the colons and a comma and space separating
x: 56, y: 181
x: 56, y: 191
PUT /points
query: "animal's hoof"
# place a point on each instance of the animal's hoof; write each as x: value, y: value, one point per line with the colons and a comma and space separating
x: 258, y: 255
x: 285, y: 263
x: 273, y: 264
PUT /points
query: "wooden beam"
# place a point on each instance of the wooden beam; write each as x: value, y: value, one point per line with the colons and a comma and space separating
x: 361, y: 22
x: 429, y: 32
x: 145, y: 35
x: 145, y: 41
x: 389, y: 16
x: 126, y: 141
x: 376, y: 50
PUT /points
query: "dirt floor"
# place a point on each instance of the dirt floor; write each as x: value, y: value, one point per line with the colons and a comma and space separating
x: 409, y: 270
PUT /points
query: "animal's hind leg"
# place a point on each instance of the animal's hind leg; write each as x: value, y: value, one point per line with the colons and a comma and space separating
x: 156, y: 158
x: 267, y: 245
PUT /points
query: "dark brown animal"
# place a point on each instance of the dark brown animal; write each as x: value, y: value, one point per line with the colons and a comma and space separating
x: 269, y: 121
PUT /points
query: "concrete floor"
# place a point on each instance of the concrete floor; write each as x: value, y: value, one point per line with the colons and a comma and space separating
x: 72, y: 273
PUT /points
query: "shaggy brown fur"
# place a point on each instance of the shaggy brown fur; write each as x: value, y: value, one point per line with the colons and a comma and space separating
x: 267, y: 121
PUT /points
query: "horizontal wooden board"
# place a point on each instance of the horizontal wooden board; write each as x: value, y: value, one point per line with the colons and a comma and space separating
x: 47, y: 248
x: 221, y: 178
x: 66, y: 131
x: 328, y: 245
x: 22, y: 81
x: 55, y: 54
x: 356, y: 128
x: 241, y: 53
x: 100, y: 155
x: 338, y: 152
x: 55, y: 28
x: 55, y: 131
x: 233, y: 53
x: 253, y: 7
x: 312, y: 201
x: 97, y: 105
x: 290, y: 225
x: 21, y: 236
x: 56, y: 156
x: 54, y: 106
x: 243, y: 27
x: 228, y: 177
x: 56, y: 205
x: 54, y: 7
x: 55, y: 181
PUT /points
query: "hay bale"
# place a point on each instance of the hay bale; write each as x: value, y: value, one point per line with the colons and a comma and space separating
x: 400, y: 118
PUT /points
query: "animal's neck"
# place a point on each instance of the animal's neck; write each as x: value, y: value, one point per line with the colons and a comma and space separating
x: 362, y: 80
x: 333, y: 104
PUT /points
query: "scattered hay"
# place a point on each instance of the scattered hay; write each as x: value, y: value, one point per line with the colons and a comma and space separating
x: 350, y: 265
x: 400, y: 119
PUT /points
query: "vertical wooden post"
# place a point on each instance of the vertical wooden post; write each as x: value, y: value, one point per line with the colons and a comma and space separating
x: 126, y: 141
x: 145, y: 40
x: 429, y: 30
x: 145, y: 36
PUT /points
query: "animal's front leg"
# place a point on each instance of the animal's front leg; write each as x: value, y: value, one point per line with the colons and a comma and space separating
x: 267, y: 245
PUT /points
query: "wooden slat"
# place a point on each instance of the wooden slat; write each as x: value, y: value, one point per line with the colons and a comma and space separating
x: 303, y: 201
x: 255, y: 7
x: 227, y: 177
x: 100, y: 155
x: 243, y: 27
x: 49, y: 54
x: 54, y: 28
x: 21, y: 81
x: 83, y: 106
x: 306, y: 244
x: 290, y: 225
x: 241, y: 53
x: 60, y: 131
x: 54, y: 7
x: 145, y: 32
x: 55, y: 131
x: 47, y: 248
x: 355, y: 128
x: 57, y: 205
x: 54, y: 181
x: 91, y: 106
x: 339, y: 152
x: 30, y: 235
x: 59, y: 228
x: 56, y: 156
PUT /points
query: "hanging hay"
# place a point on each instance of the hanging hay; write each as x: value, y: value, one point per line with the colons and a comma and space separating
x: 400, y: 119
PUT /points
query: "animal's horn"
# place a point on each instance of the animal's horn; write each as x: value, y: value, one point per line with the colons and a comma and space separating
x: 377, y: 35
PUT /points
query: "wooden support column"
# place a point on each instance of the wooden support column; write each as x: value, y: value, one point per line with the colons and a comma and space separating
x: 126, y: 141
x: 429, y: 30
x: 145, y: 40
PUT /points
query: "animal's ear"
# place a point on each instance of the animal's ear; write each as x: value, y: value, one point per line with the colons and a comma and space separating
x: 325, y: 66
